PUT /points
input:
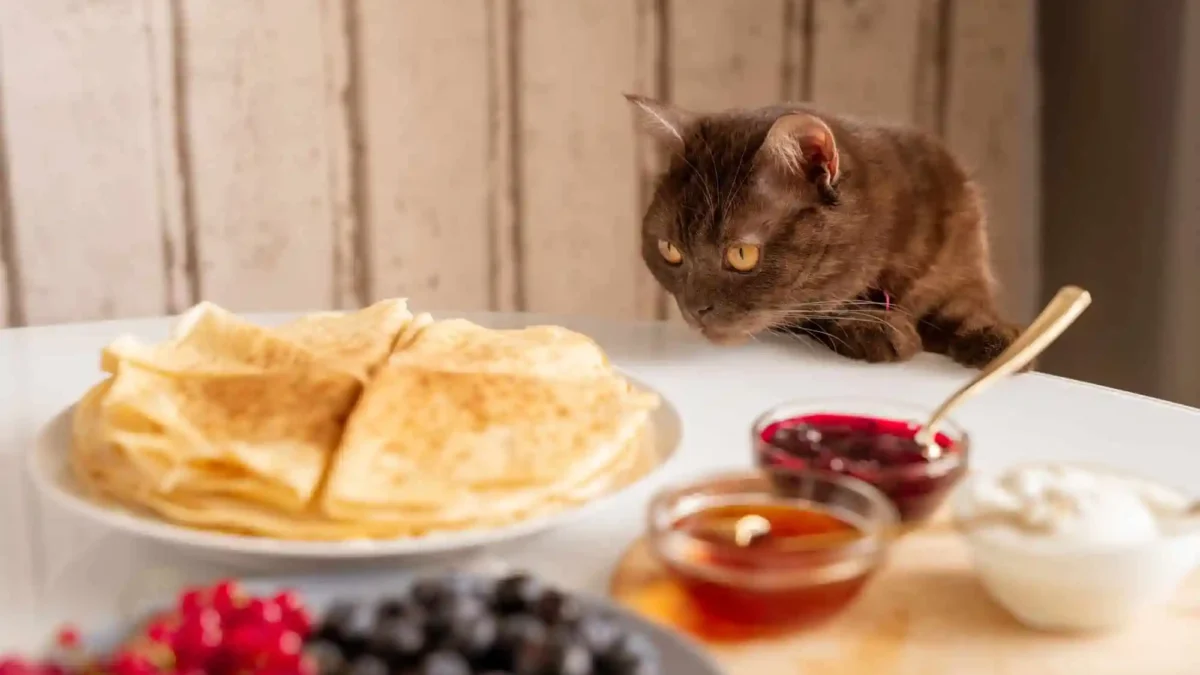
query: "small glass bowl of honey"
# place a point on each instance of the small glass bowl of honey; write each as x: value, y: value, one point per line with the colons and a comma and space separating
x: 873, y: 441
x: 772, y: 550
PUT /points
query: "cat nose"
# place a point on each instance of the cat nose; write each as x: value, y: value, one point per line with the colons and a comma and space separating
x: 701, y: 312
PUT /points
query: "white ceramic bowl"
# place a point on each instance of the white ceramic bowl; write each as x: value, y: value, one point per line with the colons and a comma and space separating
x: 50, y: 470
x: 1088, y: 589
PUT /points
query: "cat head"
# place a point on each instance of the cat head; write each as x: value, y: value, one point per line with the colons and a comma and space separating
x: 748, y: 221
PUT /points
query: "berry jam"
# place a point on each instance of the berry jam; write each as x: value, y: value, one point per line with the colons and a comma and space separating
x: 801, y: 551
x: 882, y: 452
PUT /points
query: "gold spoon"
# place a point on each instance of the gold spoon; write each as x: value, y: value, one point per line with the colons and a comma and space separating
x: 742, y: 531
x: 750, y: 527
x: 746, y: 530
x: 1062, y: 311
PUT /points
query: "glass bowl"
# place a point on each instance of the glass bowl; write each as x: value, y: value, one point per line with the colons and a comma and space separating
x: 872, y: 441
x: 828, y: 535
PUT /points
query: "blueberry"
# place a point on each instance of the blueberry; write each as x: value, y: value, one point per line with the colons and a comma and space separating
x: 517, y: 633
x: 570, y: 658
x: 598, y: 633
x: 517, y: 593
x: 347, y: 626
x: 368, y: 664
x: 473, y: 638
x: 399, y: 640
x: 336, y: 620
x: 451, y: 612
x: 530, y: 659
x: 561, y: 655
x: 444, y: 663
x: 556, y: 607
x: 394, y: 608
x: 520, y: 628
x: 429, y: 591
x: 639, y: 668
x: 432, y: 591
x: 326, y: 656
x: 631, y: 653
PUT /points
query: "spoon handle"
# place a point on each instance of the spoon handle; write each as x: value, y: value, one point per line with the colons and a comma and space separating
x: 1067, y: 305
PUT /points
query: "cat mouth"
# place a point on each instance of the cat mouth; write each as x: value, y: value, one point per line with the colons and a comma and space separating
x: 724, y: 337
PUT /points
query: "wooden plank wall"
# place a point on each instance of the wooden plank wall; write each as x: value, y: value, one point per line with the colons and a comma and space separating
x: 472, y: 154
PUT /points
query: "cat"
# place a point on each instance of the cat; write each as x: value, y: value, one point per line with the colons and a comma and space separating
x: 869, y: 238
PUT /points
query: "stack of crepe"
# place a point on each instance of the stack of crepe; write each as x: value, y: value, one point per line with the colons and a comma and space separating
x: 370, y: 424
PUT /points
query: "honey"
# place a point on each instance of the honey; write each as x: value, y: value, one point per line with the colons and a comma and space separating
x: 803, y: 570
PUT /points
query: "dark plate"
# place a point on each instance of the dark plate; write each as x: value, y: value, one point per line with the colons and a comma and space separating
x: 678, y: 654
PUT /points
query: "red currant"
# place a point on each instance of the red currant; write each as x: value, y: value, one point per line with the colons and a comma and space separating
x: 131, y: 663
x: 15, y: 666
x: 192, y: 601
x: 228, y: 597
x: 196, y: 643
x: 246, y: 641
x: 260, y: 612
x: 289, y: 600
x: 160, y: 632
x: 284, y: 649
x: 67, y: 638
x: 208, y: 618
x: 295, y: 615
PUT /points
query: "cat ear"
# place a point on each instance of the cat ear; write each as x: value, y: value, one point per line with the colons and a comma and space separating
x: 665, y: 122
x: 804, y: 145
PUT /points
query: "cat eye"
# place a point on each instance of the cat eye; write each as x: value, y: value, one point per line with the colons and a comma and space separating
x: 743, y: 257
x: 669, y: 252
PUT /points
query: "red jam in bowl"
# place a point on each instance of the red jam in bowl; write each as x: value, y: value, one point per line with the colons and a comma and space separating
x: 880, y: 451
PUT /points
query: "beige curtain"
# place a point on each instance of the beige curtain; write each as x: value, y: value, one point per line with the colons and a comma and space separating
x: 1121, y: 205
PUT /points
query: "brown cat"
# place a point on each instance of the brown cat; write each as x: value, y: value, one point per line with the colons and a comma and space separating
x: 868, y: 238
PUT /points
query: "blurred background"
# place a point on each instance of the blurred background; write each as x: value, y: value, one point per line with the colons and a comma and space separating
x: 477, y: 154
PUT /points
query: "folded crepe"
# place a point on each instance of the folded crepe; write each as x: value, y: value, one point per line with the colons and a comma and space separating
x: 437, y: 448
x: 359, y: 341
x: 210, y: 340
x: 457, y: 345
x: 235, y: 427
x: 264, y: 436
x: 229, y: 408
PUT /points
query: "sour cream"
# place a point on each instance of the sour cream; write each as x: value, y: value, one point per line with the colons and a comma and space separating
x: 1067, y: 547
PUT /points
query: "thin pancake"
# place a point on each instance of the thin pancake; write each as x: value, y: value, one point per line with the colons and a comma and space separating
x: 358, y: 341
x: 278, y: 427
x: 542, y: 351
x: 428, y: 441
x: 211, y: 341
x: 235, y: 427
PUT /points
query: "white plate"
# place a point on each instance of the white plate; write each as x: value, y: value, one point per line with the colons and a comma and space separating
x: 49, y: 467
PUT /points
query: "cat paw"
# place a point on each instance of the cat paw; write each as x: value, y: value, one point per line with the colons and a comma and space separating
x: 886, y: 343
x: 977, y: 348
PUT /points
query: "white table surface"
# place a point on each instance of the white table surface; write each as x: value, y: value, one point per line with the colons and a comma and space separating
x: 55, y: 567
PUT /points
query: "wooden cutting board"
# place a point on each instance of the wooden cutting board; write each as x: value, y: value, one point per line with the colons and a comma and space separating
x: 927, y: 614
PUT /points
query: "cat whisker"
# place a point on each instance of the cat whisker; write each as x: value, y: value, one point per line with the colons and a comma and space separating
x: 860, y: 308
x: 831, y: 336
x: 737, y: 174
x: 708, y: 196
x: 793, y: 337
x: 832, y: 316
x: 852, y: 319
